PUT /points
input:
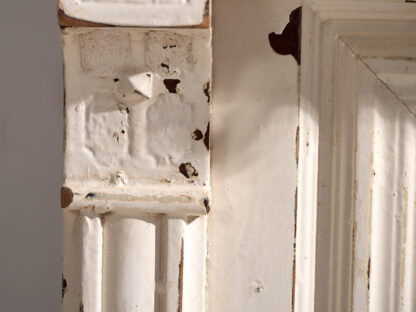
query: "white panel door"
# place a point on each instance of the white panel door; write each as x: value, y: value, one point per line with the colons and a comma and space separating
x: 357, y: 175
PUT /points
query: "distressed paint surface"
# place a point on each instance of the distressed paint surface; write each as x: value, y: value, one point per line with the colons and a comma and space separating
x: 136, y: 179
x: 121, y: 124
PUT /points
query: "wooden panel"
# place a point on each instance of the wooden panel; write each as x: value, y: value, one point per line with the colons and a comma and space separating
x: 357, y: 130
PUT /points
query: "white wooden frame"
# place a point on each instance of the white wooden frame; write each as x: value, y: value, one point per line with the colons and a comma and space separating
x: 335, y: 237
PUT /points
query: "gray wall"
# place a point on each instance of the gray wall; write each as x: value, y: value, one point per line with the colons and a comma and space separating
x: 30, y: 156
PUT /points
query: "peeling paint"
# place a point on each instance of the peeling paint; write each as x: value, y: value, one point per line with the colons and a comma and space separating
x: 188, y: 170
x: 206, y: 138
x: 172, y: 85
x: 197, y: 135
x: 207, y: 91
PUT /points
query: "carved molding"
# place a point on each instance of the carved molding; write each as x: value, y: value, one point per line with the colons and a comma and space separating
x: 136, y: 168
x: 356, y: 243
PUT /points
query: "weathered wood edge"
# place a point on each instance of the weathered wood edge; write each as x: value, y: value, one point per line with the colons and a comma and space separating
x: 68, y: 21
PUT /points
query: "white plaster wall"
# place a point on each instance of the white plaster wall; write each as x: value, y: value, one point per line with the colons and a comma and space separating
x: 254, y: 122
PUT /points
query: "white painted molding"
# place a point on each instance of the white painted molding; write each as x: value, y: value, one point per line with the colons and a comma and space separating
x: 356, y: 244
x: 147, y: 13
x: 136, y: 169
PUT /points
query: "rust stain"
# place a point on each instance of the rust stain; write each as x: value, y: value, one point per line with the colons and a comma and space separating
x: 64, y: 286
x: 206, y: 137
x: 81, y: 307
x: 66, y: 196
x: 180, y: 280
x: 188, y: 170
x: 288, y: 42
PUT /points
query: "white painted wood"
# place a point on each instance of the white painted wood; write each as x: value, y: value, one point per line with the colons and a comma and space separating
x: 130, y: 263
x: 356, y: 158
x: 92, y: 262
x: 136, y: 168
x: 151, y: 13
x: 175, y: 249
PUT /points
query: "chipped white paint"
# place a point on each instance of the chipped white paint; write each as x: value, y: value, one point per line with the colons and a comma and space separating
x: 357, y: 176
x: 136, y: 178
x: 137, y: 12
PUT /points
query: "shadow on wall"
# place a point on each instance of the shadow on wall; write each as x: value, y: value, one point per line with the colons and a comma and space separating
x: 254, y: 125
x: 243, y: 56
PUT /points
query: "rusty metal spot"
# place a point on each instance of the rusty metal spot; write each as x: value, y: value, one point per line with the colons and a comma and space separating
x: 188, y: 170
x: 206, y: 204
x: 289, y: 41
x: 64, y: 286
x: 171, y: 85
x: 206, y: 137
x: 180, y: 280
x: 66, y: 196
x: 197, y: 135
x: 207, y: 91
